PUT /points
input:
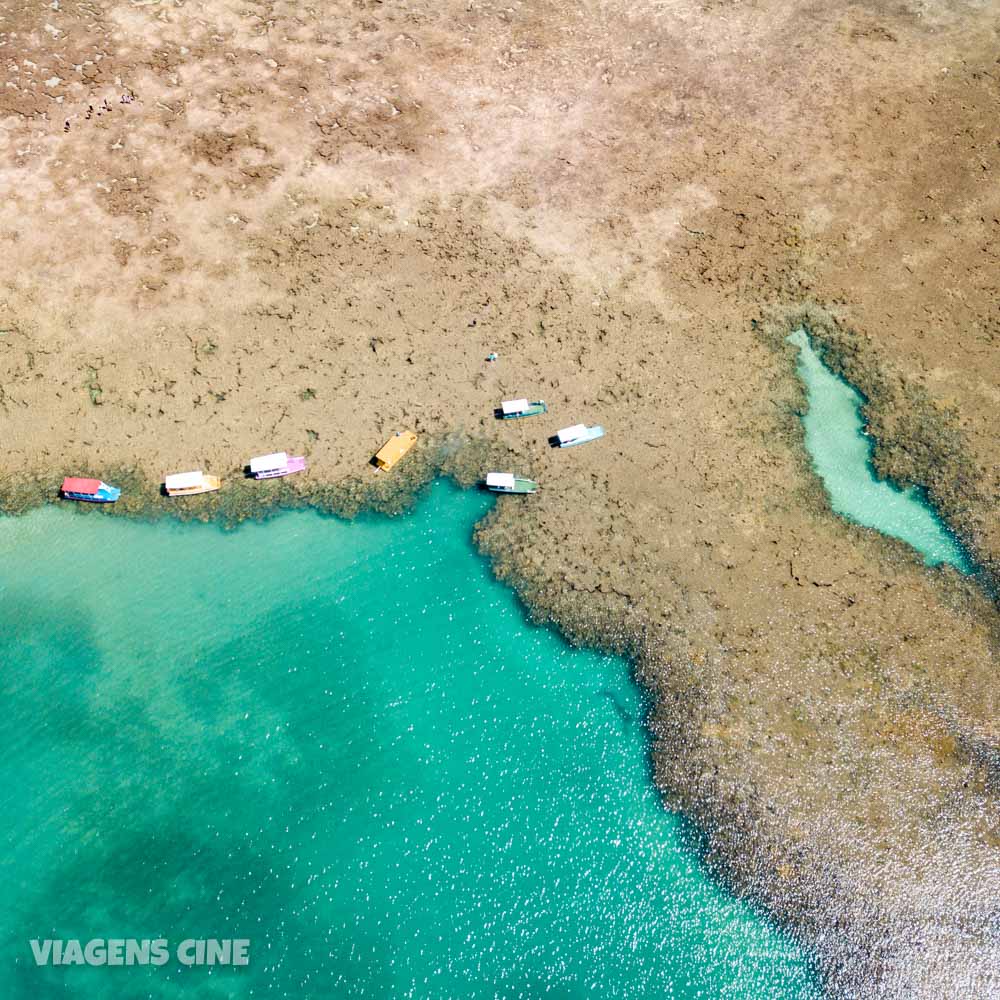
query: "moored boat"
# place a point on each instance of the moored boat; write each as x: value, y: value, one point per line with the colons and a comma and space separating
x: 276, y: 465
x: 578, y: 434
x: 91, y: 490
x: 394, y: 449
x: 507, y: 482
x: 512, y: 409
x: 186, y: 484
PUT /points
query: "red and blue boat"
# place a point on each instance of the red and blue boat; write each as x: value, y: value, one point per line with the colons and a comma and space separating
x: 91, y: 490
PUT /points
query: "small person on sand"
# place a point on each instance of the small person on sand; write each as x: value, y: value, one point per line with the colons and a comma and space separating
x: 492, y: 356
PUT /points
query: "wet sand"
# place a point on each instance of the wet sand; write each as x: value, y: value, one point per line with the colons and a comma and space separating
x: 235, y: 230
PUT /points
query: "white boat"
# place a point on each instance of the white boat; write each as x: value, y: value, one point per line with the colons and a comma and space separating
x: 511, y: 409
x: 185, y: 484
x: 578, y: 434
x: 507, y: 482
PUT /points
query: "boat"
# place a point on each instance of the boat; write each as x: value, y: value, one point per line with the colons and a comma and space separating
x: 507, y: 482
x: 188, y: 484
x: 511, y: 409
x: 276, y: 465
x: 91, y: 490
x: 394, y: 449
x: 578, y: 434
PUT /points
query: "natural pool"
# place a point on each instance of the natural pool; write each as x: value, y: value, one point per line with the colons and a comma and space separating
x: 842, y: 456
x: 344, y: 742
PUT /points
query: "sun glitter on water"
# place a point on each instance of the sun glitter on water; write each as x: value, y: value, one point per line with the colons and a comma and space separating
x: 344, y: 742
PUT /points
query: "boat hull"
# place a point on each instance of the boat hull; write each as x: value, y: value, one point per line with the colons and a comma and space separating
x: 521, y: 486
x: 210, y: 485
x: 110, y: 496
x: 87, y: 490
x: 532, y: 411
x: 593, y: 434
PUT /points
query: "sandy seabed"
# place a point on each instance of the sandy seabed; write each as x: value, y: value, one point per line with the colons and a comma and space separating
x: 231, y: 228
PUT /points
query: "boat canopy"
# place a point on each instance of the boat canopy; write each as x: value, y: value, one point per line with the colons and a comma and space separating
x: 72, y: 484
x: 514, y: 405
x: 500, y: 480
x: 184, y: 480
x: 267, y: 463
x: 569, y: 433
x: 395, y: 448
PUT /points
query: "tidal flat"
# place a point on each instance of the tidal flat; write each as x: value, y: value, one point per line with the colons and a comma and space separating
x: 229, y: 232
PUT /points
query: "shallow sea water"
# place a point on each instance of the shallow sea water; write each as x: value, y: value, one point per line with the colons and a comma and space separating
x: 344, y: 742
x: 842, y: 456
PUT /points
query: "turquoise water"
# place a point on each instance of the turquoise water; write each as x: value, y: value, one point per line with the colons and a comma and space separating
x: 842, y: 456
x: 344, y: 742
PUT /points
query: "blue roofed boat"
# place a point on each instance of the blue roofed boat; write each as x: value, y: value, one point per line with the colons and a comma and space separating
x: 91, y: 490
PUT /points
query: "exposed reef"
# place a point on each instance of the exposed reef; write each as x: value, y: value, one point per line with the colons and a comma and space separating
x: 233, y: 232
x: 245, y: 499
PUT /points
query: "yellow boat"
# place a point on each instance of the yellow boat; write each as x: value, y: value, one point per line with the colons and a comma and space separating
x: 394, y: 449
x: 186, y: 484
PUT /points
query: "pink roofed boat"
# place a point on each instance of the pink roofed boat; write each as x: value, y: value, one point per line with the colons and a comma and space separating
x: 276, y: 465
x: 91, y: 490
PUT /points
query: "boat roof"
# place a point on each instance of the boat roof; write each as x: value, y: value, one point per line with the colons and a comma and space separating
x: 504, y: 480
x: 73, y: 484
x: 264, y: 463
x: 514, y: 405
x: 571, y: 432
x: 396, y: 447
x: 183, y: 480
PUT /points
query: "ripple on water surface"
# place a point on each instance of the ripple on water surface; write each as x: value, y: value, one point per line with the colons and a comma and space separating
x: 344, y: 742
